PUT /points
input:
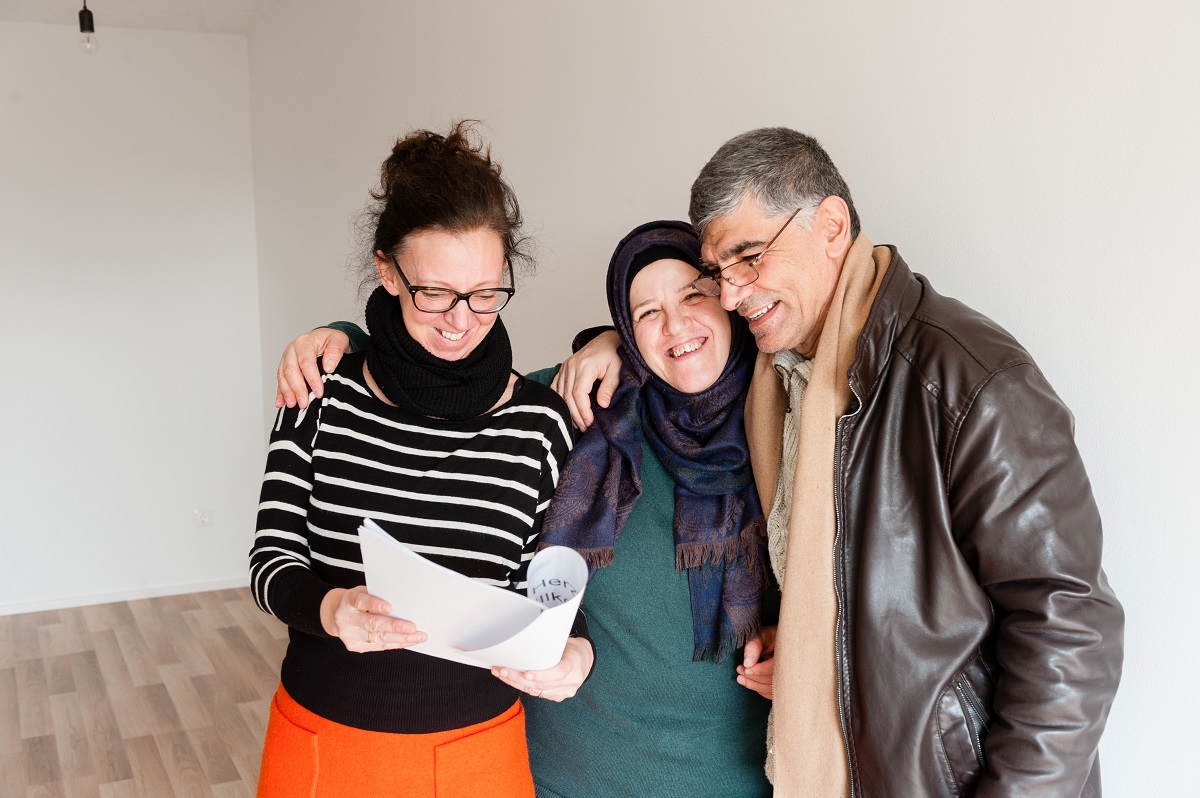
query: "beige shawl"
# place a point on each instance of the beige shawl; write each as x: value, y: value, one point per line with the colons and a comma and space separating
x: 810, y: 751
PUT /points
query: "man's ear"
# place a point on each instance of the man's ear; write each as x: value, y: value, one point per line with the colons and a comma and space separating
x: 387, y: 274
x: 832, y: 226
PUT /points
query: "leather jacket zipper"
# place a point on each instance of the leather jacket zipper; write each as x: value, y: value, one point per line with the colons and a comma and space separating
x: 840, y: 631
x: 976, y: 719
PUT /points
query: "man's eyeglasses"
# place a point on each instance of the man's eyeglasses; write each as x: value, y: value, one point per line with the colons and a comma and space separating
x: 430, y: 299
x: 741, y: 272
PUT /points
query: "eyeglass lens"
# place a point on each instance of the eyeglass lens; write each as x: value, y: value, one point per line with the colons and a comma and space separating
x: 438, y: 301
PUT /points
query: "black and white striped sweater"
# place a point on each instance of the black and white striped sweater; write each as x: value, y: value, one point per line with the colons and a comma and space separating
x: 469, y: 495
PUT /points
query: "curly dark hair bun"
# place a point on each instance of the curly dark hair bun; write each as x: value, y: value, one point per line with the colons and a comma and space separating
x: 444, y: 182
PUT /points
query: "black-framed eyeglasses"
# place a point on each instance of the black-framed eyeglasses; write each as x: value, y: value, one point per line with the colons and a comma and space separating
x: 742, y: 271
x: 432, y: 299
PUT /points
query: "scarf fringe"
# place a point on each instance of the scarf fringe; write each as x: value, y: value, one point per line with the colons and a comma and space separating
x: 597, y: 558
x: 751, y: 541
x: 728, y: 644
x: 694, y: 555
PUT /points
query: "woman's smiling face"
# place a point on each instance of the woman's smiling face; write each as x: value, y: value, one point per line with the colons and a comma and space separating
x: 683, y: 335
x: 438, y: 259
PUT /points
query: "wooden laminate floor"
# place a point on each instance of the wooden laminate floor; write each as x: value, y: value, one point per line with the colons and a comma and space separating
x: 141, y: 699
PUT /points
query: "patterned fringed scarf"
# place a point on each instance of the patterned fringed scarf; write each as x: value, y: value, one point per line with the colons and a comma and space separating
x: 700, y: 439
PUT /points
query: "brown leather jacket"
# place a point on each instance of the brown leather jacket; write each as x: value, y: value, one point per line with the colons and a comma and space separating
x: 978, y: 643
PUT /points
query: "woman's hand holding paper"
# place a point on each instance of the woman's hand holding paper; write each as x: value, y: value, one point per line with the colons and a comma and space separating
x: 557, y: 683
x: 362, y: 623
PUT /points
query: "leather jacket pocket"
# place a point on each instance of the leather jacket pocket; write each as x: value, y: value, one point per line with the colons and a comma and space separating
x: 964, y: 715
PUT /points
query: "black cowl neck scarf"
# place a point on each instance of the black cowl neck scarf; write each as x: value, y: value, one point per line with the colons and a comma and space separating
x: 415, y: 380
x: 700, y: 439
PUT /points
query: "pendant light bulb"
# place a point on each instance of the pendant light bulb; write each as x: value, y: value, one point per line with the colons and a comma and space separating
x: 87, y: 31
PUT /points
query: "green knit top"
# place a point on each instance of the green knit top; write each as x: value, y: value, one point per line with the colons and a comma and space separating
x: 649, y: 721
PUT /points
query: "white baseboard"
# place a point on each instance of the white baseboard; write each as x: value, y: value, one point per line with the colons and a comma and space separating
x: 122, y: 595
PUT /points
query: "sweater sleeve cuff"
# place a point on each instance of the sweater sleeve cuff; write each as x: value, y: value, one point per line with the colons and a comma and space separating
x: 297, y: 600
x: 580, y: 629
x: 358, y: 338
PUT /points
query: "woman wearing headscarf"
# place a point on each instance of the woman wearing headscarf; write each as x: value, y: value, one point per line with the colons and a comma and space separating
x: 659, y: 498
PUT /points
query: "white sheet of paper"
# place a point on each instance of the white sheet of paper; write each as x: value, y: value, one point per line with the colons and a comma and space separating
x: 474, y: 623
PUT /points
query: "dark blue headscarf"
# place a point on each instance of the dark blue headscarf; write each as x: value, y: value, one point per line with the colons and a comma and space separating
x: 700, y: 439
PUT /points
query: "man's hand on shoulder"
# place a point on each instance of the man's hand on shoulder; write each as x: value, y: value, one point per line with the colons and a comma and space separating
x: 595, y: 362
x: 298, y: 374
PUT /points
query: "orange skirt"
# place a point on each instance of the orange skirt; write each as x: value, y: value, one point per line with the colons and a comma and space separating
x: 308, y: 756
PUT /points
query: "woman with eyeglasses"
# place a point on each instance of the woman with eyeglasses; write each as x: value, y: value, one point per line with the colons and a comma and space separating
x: 431, y: 434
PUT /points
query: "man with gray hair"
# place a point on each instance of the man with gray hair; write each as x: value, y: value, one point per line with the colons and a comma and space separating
x: 946, y: 628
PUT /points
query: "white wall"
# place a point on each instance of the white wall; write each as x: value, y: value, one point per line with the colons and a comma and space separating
x: 128, y: 304
x: 1037, y: 161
